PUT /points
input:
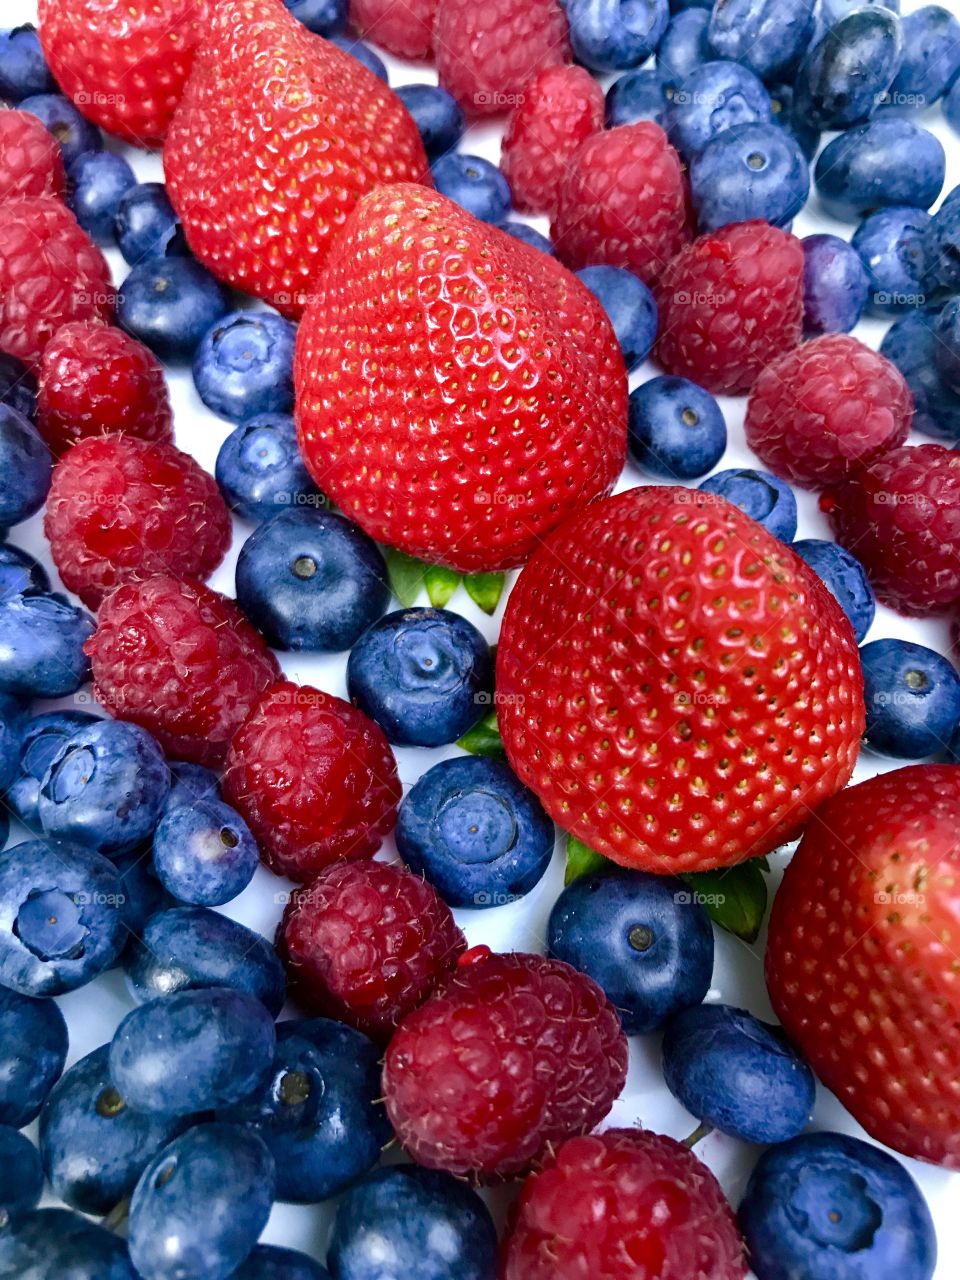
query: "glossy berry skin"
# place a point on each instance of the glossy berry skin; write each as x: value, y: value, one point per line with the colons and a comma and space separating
x: 190, y: 783
x: 846, y: 73
x: 833, y: 10
x: 684, y: 47
x: 33, y: 1050
x: 30, y: 159
x: 939, y: 245
x: 826, y: 1206
x: 638, y: 95
x: 146, y: 226
x: 879, y: 165
x: 749, y: 171
x: 18, y: 386
x: 98, y: 181
x: 631, y: 308
x: 946, y: 345
x: 24, y: 455
x: 844, y: 576
x: 433, y: 1225
x: 524, y: 232
x: 204, y: 853
x: 21, y: 1174
x: 473, y: 183
x: 76, y: 135
x: 363, y: 54
x: 453, y: 1095
x: 608, y: 35
x: 260, y: 471
x: 911, y: 344
x: 169, y: 304
x: 21, y: 574
x: 478, y: 836
x: 424, y: 676
x: 676, y: 430
x: 41, y: 738
x: 644, y: 939
x: 836, y: 285
x: 912, y: 696
x: 366, y: 943
x: 406, y: 32
x: 270, y: 1262
x: 665, y: 1212
x: 42, y: 640
x: 766, y: 36
x: 890, y: 243
x: 56, y: 1242
x: 143, y: 894
x: 788, y: 114
x: 931, y: 57
x: 12, y: 716
x: 193, y: 712
x: 322, y: 17
x: 437, y: 115
x: 712, y: 98
x: 23, y: 69
x: 951, y: 107
x: 244, y: 365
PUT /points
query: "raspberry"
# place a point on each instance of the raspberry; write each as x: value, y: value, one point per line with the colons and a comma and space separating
x: 514, y: 1053
x: 560, y: 108
x: 95, y: 378
x: 51, y: 272
x: 402, y: 27
x: 900, y: 516
x: 366, y: 943
x: 31, y: 163
x: 182, y: 661
x: 623, y: 202
x: 626, y: 1204
x: 486, y: 53
x: 314, y: 778
x: 729, y: 304
x: 122, y: 509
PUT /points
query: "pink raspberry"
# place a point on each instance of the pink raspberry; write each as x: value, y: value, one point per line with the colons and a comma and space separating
x: 31, y: 163
x: 180, y: 660
x: 314, y: 778
x: 514, y: 1053
x: 900, y: 516
x: 729, y: 304
x: 664, y: 1216
x: 403, y: 27
x: 560, y: 108
x: 366, y: 943
x: 623, y: 202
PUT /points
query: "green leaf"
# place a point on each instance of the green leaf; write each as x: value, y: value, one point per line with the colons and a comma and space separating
x: 485, y: 589
x: 406, y: 575
x: 735, y: 898
x: 581, y: 860
x: 441, y: 584
x: 484, y: 738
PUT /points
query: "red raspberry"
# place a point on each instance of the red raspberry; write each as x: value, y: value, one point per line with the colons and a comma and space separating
x: 514, y: 1053
x: 95, y: 378
x: 121, y: 509
x: 822, y: 410
x: 182, y: 661
x: 51, y: 272
x: 729, y: 304
x: 366, y: 943
x: 664, y: 1216
x: 314, y: 778
x: 486, y: 53
x: 31, y: 163
x: 623, y: 202
x: 403, y: 27
x: 559, y: 109
x: 900, y: 516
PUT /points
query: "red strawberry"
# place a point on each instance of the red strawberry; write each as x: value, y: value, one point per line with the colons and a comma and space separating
x: 278, y: 135
x: 31, y: 163
x: 459, y: 394
x: 677, y: 687
x: 862, y: 961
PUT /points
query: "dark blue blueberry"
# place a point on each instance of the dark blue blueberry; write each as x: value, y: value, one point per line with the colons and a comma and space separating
x: 48, y: 1243
x: 33, y: 1049
x: 910, y: 343
x: 801, y: 128
x: 835, y: 285
x: 436, y: 114
x: 631, y: 308
x: 946, y: 345
x: 887, y: 162
x: 41, y: 739
x: 363, y: 54
x: 473, y: 183
x: 23, y: 455
x: 737, y: 1074
x: 833, y: 10
x: 169, y: 304
x: 98, y: 180
x: 204, y: 853
x: 20, y: 574
x: 190, y: 783
x: 23, y: 69
x: 244, y: 365
x: 94, y: 1146
x: 60, y: 117
x: 677, y: 6
x: 311, y: 580
x: 60, y: 907
x: 270, y: 1262
x: 675, y: 429
x: 829, y: 1207
x: 639, y: 95
x: 749, y: 171
x: 768, y: 36
x: 21, y: 1175
x: 849, y: 70
x: 18, y: 386
x: 260, y: 471
x: 890, y: 243
x: 195, y: 1050
x: 951, y: 106
x: 424, y: 675
x: 186, y: 948
x: 613, y: 35
x: 12, y: 715
x: 201, y: 1204
x: 146, y: 226
x: 941, y: 246
x: 475, y: 832
x: 322, y: 17
x: 523, y: 231
x: 143, y: 894
x: 845, y: 577
x: 427, y: 1223
x: 912, y: 697
x: 644, y: 940
x: 931, y: 57
x: 762, y: 496
x: 684, y: 46
x: 713, y: 98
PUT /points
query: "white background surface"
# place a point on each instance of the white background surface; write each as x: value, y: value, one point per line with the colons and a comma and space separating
x: 93, y: 1012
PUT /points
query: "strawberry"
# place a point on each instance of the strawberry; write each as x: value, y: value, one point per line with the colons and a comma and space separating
x: 278, y: 135
x: 459, y: 393
x: 677, y: 687
x: 862, y: 963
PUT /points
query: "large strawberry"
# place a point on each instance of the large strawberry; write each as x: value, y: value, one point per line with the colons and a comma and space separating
x: 862, y: 958
x: 675, y: 684
x: 459, y: 393
x: 278, y: 135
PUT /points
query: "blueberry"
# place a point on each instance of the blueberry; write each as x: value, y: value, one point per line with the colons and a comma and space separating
x: 424, y: 675
x: 169, y: 304
x: 311, y: 580
x: 20, y: 574
x: 523, y: 231
x: 195, y: 1050
x: 18, y: 386
x: 363, y: 54
x: 877, y: 165
x: 941, y: 246
x: 190, y: 783
x: 473, y: 183
x: 146, y: 225
x: 612, y: 35
x: 844, y: 576
x: 834, y: 10
x: 60, y: 117
x: 848, y: 71
x: 98, y: 180
x: 713, y: 98
x: 55, y: 1244
x: 260, y: 471
x: 269, y: 1262
x: 829, y: 1207
x: 40, y: 740
x: 13, y: 715
x: 475, y: 832
x: 675, y: 428
x: 204, y: 853
x: 951, y: 106
x: 835, y: 285
x: 631, y: 308
x: 23, y: 455
x: 94, y: 1146
x: 33, y: 1049
x: 684, y: 46
x: 639, y: 95
x: 200, y: 1204
x: 931, y: 57
x: 427, y: 1224
x: 187, y: 948
x: 911, y: 345
x: 890, y: 243
x: 244, y: 365
x: 436, y: 114
x: 642, y: 938
x: 762, y: 496
x: 61, y: 921
x: 912, y: 697
x: 946, y: 345
x: 768, y: 36
x: 783, y: 102
x: 143, y: 894
x: 21, y: 1175
x: 23, y: 69
x: 322, y: 17
x: 749, y: 171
